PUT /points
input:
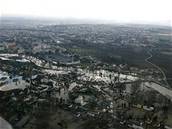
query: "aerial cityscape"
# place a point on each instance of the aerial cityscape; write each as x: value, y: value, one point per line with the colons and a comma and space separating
x: 71, y: 73
x: 83, y: 76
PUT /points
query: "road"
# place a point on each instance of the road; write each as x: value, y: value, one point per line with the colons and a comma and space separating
x: 4, y: 124
x: 157, y: 67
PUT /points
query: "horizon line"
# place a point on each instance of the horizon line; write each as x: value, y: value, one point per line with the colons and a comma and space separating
x: 85, y: 20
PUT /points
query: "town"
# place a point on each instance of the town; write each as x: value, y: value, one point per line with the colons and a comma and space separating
x: 85, y: 77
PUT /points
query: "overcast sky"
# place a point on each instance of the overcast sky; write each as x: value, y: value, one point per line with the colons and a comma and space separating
x: 146, y: 11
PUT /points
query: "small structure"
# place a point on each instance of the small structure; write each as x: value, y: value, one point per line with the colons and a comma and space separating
x: 121, y: 103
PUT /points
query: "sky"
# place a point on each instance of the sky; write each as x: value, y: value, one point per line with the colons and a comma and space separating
x: 141, y: 11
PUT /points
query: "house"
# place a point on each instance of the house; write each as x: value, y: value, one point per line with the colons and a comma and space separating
x: 121, y: 103
x: 2, y: 47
